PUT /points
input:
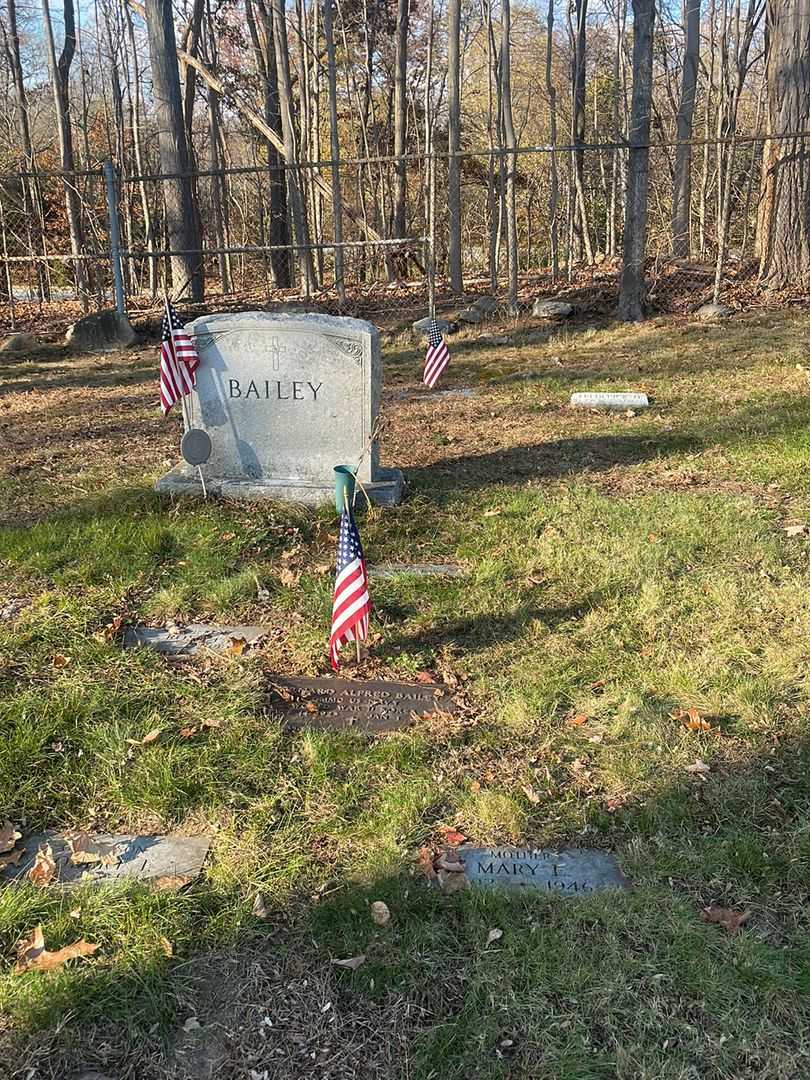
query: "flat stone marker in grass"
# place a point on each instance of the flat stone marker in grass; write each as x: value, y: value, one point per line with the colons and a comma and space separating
x: 373, y: 705
x: 390, y: 570
x: 573, y: 872
x: 191, y: 639
x: 599, y: 400
x: 170, y: 861
x: 284, y: 399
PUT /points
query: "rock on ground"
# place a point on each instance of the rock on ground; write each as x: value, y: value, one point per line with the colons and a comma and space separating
x: 105, y: 331
x: 713, y: 311
x: 19, y: 343
x: 421, y: 325
x: 552, y: 309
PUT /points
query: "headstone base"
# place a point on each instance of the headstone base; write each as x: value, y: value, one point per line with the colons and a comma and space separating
x: 386, y: 490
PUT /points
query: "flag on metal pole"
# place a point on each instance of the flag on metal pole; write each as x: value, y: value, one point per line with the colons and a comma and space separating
x: 437, y: 357
x: 351, y: 604
x: 178, y: 360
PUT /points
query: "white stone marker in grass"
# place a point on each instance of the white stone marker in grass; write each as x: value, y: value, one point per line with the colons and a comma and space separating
x: 621, y: 400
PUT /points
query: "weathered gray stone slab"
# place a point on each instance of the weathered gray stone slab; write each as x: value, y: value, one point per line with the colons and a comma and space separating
x: 552, y: 309
x: 19, y: 343
x: 713, y: 311
x: 421, y: 326
x: 122, y: 857
x: 284, y: 399
x: 459, y: 392
x: 595, y: 400
x: 389, y: 570
x: 104, y: 331
x: 573, y: 872
x: 196, y: 637
x: 372, y: 705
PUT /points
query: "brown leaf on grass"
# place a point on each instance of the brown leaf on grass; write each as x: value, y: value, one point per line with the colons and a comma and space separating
x: 578, y: 720
x: 598, y: 685
x: 150, y: 737
x: 494, y: 935
x: 33, y: 956
x: 729, y: 919
x: 492, y: 513
x: 166, y: 946
x: 425, y: 677
x: 169, y: 882
x: 380, y: 913
x: 237, y: 646
x: 424, y: 863
x: 288, y: 577
x: 353, y: 963
x: 210, y: 723
x: 60, y: 661
x: 452, y: 836
x: 530, y: 794
x: 9, y: 835
x: 226, y: 536
x: 112, y: 629
x: 43, y: 871
x: 259, y: 908
x: 700, y: 768
x: 11, y: 858
x: 187, y: 732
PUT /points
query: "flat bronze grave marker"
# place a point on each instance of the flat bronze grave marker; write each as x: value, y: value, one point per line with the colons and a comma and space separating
x: 572, y: 872
x: 373, y: 705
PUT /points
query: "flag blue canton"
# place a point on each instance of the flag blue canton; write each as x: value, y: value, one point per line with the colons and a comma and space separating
x: 349, y: 546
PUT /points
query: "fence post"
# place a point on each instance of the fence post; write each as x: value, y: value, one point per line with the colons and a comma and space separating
x: 115, y: 238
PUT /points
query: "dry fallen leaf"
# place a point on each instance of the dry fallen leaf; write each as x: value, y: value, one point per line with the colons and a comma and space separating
x: 726, y: 917
x: 578, y: 720
x: 795, y: 530
x: 353, y: 963
x: 237, y: 646
x: 85, y: 850
x: 452, y: 836
x: 380, y: 913
x: 492, y: 513
x: 700, y: 768
x: 171, y: 881
x: 9, y: 835
x: 226, y: 536
x: 259, y: 908
x: 11, y: 858
x: 60, y: 661
x: 187, y: 732
x: 494, y: 935
x: 425, y: 677
x: 44, y: 869
x: 192, y: 1024
x: 166, y: 946
x: 33, y: 956
x: 424, y: 863
x: 288, y: 577
x: 210, y: 723
x: 150, y: 737
x: 530, y: 794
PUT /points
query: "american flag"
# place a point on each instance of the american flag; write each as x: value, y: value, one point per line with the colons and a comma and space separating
x: 437, y: 357
x: 351, y: 605
x: 178, y: 360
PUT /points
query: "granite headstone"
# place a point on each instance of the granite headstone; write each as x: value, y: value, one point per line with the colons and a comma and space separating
x: 571, y: 872
x: 284, y: 399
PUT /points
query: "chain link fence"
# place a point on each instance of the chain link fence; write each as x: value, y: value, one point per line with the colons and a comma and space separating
x: 568, y: 245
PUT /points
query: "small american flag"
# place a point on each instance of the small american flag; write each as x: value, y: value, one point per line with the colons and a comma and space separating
x: 351, y: 605
x: 437, y: 357
x: 178, y: 360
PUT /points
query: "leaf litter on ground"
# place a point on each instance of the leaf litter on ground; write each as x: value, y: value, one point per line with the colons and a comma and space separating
x: 728, y: 918
x: 33, y: 956
x: 43, y: 871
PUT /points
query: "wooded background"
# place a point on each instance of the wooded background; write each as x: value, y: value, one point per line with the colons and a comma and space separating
x: 345, y: 149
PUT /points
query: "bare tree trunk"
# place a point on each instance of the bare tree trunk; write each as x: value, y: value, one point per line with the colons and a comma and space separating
x: 492, y: 261
x: 682, y: 181
x: 60, y: 78
x: 554, y: 188
x: 32, y: 192
x: 785, y: 241
x: 137, y: 150
x: 511, y: 145
x: 454, y: 145
x: 181, y: 223
x: 632, y: 289
x: 582, y: 235
x: 305, y: 263
x: 334, y: 147
x: 400, y: 119
x: 279, y: 230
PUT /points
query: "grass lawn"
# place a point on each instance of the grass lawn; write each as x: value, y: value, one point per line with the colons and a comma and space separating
x: 624, y: 568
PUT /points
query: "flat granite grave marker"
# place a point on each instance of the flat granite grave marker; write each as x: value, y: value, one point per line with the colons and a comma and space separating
x: 373, y: 705
x: 174, y: 859
x: 191, y: 639
x: 572, y: 872
x: 284, y: 399
x: 620, y: 400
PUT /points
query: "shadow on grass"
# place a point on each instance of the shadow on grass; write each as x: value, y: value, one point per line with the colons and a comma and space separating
x: 619, y: 984
x: 20, y: 377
